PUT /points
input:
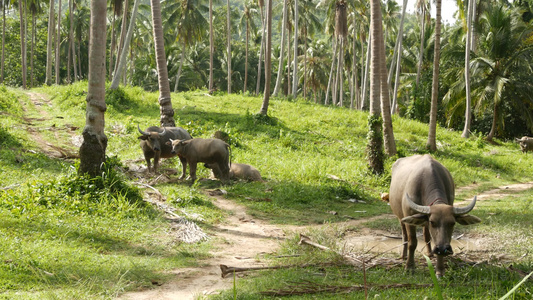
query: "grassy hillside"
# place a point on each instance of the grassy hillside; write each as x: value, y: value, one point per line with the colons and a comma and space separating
x: 98, y: 238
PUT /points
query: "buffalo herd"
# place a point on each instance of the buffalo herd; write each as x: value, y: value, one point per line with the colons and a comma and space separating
x: 422, y: 190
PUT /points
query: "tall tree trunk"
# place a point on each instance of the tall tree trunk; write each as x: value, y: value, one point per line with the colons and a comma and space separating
x: 3, y: 43
x: 123, y: 33
x: 127, y: 42
x: 182, y: 58
x: 263, y: 21
x: 295, y: 72
x: 492, y: 132
x: 69, y: 37
x: 374, y: 148
x: 79, y: 55
x: 49, y: 47
x: 23, y: 43
x: 228, y: 32
x: 337, y: 80
x: 305, y: 61
x: 33, y: 33
x: 112, y: 47
x: 468, y: 113
x: 421, y: 54
x: 326, y: 102
x: 268, y: 60
x: 388, y: 134
x: 92, y: 150
x: 289, y: 62
x: 165, y: 102
x: 246, y: 56
x: 399, y: 42
x: 211, y: 46
x: 72, y: 45
x: 282, y: 49
x: 367, y: 69
x: 58, y: 44
x: 432, y: 143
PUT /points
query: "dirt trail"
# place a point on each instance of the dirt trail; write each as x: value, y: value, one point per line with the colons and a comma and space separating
x: 241, y: 240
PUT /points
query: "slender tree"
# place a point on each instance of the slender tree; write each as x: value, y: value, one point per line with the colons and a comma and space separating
x: 23, y: 42
x: 211, y: 46
x: 268, y: 60
x: 4, y: 4
x: 263, y: 25
x: 432, y: 143
x: 124, y: 52
x: 93, y: 148
x: 228, y: 35
x: 282, y: 49
x: 58, y: 44
x: 374, y: 147
x: 295, y: 63
x: 165, y: 102
x: 468, y: 110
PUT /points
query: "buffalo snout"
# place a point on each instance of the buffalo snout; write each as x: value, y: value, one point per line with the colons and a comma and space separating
x: 443, y: 250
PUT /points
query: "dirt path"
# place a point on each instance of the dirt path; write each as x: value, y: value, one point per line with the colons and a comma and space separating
x: 241, y: 240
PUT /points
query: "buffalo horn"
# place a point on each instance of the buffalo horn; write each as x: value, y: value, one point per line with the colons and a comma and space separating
x: 465, y: 210
x: 164, y: 130
x: 142, y: 132
x: 421, y: 209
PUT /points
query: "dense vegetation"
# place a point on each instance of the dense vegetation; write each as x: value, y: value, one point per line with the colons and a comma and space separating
x: 63, y: 236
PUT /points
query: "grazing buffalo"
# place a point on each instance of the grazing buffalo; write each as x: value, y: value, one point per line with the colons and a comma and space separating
x: 211, y: 151
x: 237, y: 171
x: 526, y: 144
x: 153, y: 144
x: 421, y: 193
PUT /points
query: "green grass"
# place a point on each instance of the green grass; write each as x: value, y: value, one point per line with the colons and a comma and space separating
x: 312, y: 158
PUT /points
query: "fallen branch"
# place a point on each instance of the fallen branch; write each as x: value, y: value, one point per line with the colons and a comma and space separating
x: 226, y: 270
x: 314, y: 288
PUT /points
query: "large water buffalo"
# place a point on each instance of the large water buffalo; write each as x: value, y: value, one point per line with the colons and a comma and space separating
x: 237, y: 171
x: 421, y: 193
x: 153, y: 144
x: 526, y: 144
x: 210, y: 151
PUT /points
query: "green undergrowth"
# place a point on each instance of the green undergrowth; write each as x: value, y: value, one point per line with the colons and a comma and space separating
x: 66, y: 237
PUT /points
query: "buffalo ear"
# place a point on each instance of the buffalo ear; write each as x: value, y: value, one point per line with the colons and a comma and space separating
x: 143, y: 137
x: 417, y: 220
x: 467, y: 219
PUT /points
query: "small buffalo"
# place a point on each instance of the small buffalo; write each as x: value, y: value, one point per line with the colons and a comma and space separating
x: 211, y: 151
x: 154, y: 144
x: 526, y: 144
x: 421, y: 193
x: 238, y: 171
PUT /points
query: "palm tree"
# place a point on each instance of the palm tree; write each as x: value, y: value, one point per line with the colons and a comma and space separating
x: 211, y: 46
x: 116, y: 6
x: 295, y: 64
x: 124, y: 53
x: 165, y: 102
x: 58, y: 43
x: 4, y: 3
x: 268, y: 60
x: 263, y: 25
x: 92, y: 150
x: 247, y: 21
x: 22, y: 8
x: 282, y: 48
x: 374, y: 147
x: 468, y: 112
x: 51, y: 34
x: 432, y: 143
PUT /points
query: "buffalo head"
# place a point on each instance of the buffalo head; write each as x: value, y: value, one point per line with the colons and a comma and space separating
x: 152, y: 138
x: 440, y: 219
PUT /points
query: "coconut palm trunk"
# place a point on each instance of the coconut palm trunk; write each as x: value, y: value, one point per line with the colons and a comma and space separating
x: 268, y: 60
x: 165, y: 102
x: 211, y: 46
x: 374, y: 147
x: 282, y: 49
x: 263, y: 21
x: 123, y: 55
x: 50, y: 42
x: 295, y: 63
x: 228, y: 33
x: 468, y: 112
x: 432, y: 143
x: 326, y: 101
x: 92, y: 150
x: 23, y: 43
x: 58, y: 44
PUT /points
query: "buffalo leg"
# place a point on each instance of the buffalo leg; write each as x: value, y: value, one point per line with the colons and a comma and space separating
x: 192, y: 170
x: 156, y: 161
x: 183, y: 167
x: 148, y: 165
x: 427, y: 240
x: 404, y: 240
x: 412, y: 242
x: 440, y: 266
